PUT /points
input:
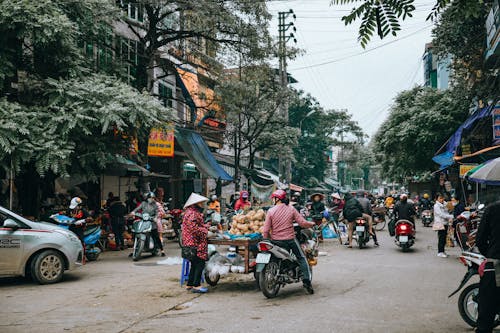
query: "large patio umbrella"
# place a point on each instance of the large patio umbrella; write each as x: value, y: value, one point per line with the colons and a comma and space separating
x: 486, y: 173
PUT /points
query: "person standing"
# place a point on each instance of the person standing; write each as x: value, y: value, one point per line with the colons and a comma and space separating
x: 488, y: 243
x: 214, y: 204
x: 195, y: 234
x: 441, y: 221
x: 117, y: 212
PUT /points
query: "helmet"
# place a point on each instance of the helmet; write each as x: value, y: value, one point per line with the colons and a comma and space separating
x: 75, y: 202
x: 279, y: 194
x: 403, y: 196
x: 426, y: 196
x: 244, y: 194
x: 148, y: 195
x: 213, y: 197
x: 296, y: 194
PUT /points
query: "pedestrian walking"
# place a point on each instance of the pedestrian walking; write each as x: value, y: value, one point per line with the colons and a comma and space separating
x: 488, y: 243
x: 195, y: 235
x: 117, y: 211
x: 441, y: 221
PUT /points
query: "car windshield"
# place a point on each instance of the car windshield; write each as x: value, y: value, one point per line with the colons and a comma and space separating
x: 5, y: 214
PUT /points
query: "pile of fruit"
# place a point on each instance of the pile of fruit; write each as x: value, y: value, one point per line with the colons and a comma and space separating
x: 249, y: 223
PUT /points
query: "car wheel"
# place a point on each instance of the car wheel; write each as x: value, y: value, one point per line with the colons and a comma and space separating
x: 47, y: 267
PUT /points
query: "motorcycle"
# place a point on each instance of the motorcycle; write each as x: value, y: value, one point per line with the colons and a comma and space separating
x: 91, y: 234
x: 469, y: 297
x: 143, y: 241
x: 361, y: 232
x: 405, y: 234
x: 277, y: 267
x: 427, y: 217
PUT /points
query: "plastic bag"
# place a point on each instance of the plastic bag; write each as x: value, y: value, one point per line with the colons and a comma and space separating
x: 328, y: 233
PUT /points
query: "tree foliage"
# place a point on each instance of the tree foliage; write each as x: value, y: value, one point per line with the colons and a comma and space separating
x: 320, y: 129
x: 384, y: 17
x: 420, y: 121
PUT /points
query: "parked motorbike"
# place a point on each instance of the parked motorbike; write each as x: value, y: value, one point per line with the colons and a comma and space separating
x: 469, y: 297
x: 361, y: 232
x: 466, y: 225
x: 427, y: 217
x: 405, y: 234
x: 143, y: 241
x: 277, y: 267
x: 91, y: 234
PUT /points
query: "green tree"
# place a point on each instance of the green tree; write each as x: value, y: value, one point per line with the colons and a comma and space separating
x: 383, y: 16
x: 420, y: 120
x: 320, y: 129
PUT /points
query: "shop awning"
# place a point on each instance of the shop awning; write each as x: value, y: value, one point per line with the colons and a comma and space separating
x: 123, y: 167
x: 198, y: 152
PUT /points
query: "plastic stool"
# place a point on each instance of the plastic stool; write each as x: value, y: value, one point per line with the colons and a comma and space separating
x: 186, y: 267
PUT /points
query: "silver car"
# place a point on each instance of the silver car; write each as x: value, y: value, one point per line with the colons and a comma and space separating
x: 37, y: 249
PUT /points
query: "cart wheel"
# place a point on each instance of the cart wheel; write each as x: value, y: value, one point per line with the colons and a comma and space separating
x: 211, y: 282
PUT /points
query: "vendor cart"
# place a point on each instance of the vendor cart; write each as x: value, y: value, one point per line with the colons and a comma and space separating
x: 243, y: 247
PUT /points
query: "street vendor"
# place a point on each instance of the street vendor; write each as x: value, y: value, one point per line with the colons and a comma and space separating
x: 279, y: 228
x: 318, y: 207
x: 214, y: 204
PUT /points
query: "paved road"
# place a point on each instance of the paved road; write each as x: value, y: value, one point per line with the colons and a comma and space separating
x: 370, y: 290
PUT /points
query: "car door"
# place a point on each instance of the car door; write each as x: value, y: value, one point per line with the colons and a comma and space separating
x: 11, y: 245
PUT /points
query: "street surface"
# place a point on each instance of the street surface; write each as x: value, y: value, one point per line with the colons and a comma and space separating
x: 370, y: 290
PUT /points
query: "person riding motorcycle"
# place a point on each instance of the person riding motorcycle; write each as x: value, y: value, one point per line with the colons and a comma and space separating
x: 405, y: 210
x: 352, y: 211
x: 389, y: 201
x: 243, y: 202
x: 367, y: 213
x: 295, y: 201
x: 150, y: 207
x: 279, y: 228
x: 425, y: 203
x: 80, y: 215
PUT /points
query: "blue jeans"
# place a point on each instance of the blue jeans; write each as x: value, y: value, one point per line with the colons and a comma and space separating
x: 293, y: 244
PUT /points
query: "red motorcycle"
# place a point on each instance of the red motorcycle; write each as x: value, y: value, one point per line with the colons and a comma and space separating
x: 405, y: 234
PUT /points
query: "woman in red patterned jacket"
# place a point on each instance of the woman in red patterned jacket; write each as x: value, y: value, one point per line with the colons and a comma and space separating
x: 194, y: 233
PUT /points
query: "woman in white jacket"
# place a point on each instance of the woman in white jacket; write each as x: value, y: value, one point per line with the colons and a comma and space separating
x: 441, y: 217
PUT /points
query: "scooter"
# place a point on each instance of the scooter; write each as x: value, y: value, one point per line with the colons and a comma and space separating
x: 91, y: 234
x: 143, y: 241
x: 405, y: 234
x: 362, y: 232
x: 469, y: 297
x: 427, y: 217
x: 277, y: 267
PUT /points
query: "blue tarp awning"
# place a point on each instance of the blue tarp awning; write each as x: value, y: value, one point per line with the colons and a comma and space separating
x: 445, y: 158
x: 198, y: 152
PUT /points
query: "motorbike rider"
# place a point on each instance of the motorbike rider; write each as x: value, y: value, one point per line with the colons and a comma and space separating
x: 367, y: 213
x: 352, y: 211
x: 295, y: 201
x: 488, y: 243
x: 279, y: 228
x: 80, y: 215
x: 389, y: 201
x: 243, y: 203
x: 425, y: 202
x: 405, y: 210
x: 150, y: 207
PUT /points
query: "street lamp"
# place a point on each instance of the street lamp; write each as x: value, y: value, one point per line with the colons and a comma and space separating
x: 307, y: 115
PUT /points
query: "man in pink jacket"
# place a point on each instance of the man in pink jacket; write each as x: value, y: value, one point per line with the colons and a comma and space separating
x: 279, y: 228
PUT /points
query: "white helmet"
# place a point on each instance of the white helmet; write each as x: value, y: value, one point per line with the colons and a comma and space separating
x: 214, y: 197
x: 194, y: 199
x: 75, y: 202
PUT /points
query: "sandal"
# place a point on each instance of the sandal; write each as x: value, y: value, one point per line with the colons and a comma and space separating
x: 188, y: 288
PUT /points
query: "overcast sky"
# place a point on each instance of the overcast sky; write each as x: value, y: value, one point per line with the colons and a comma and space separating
x: 340, y: 73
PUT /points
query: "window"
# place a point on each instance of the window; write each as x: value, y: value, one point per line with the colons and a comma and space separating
x: 126, y: 50
x: 136, y: 12
x: 166, y: 94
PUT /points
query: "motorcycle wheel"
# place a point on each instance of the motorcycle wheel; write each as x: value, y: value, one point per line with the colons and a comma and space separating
x: 467, y: 305
x: 381, y: 225
x: 92, y: 256
x: 405, y: 247
x: 209, y: 280
x: 268, y: 280
x: 136, y: 255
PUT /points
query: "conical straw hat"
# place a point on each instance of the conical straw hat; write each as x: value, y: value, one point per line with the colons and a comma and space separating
x: 194, y: 199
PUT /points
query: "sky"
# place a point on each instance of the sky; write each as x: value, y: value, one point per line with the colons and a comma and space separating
x: 339, y: 73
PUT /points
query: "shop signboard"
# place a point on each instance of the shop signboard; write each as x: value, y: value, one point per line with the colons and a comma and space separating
x: 496, y: 123
x: 464, y: 168
x: 161, y: 142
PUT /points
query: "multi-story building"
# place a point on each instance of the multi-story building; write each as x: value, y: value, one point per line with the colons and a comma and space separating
x: 436, y: 69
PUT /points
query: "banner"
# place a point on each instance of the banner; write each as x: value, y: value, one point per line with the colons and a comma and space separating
x: 161, y: 143
x: 464, y: 168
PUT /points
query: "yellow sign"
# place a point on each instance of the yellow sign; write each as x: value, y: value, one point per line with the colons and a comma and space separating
x: 464, y: 168
x: 161, y: 143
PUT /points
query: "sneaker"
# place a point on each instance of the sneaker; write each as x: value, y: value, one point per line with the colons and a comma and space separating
x: 377, y: 244
x: 441, y: 255
x: 200, y: 290
x: 163, y: 254
x: 446, y: 254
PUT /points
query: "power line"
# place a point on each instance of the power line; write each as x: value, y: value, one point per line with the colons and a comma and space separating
x: 361, y: 53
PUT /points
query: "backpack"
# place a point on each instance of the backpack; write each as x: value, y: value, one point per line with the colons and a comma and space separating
x: 352, y: 211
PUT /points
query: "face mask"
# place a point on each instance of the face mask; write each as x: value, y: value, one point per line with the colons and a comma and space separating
x: 454, y: 203
x: 151, y: 200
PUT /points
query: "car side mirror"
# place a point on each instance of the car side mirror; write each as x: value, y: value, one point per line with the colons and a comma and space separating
x: 10, y: 224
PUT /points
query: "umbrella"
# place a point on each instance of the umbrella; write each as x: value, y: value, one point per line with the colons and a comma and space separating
x: 487, y: 173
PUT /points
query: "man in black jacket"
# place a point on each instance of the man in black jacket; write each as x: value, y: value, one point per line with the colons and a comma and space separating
x: 488, y: 243
x: 352, y: 210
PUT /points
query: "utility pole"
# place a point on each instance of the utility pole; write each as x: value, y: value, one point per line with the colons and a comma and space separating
x: 285, y: 164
